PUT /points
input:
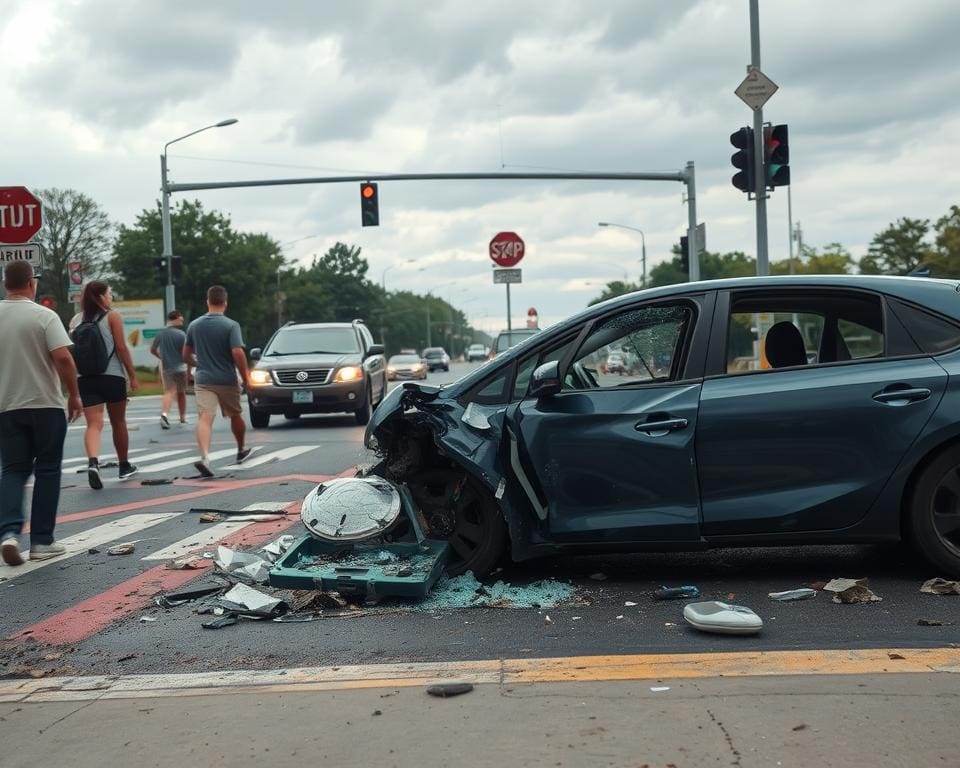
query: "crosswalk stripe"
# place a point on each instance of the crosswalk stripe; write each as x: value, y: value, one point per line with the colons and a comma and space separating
x: 94, y: 537
x: 213, y: 533
x: 109, y: 457
x: 186, y: 460
x: 284, y: 453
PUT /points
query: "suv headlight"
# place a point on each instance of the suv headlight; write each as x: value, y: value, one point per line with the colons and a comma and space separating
x: 258, y: 377
x: 349, y: 373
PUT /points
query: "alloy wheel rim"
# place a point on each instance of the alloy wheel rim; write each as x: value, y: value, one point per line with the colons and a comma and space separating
x: 945, y: 510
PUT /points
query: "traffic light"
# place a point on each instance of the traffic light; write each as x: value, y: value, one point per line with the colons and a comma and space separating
x: 685, y: 254
x: 369, y: 205
x: 744, y: 159
x: 776, y: 156
x: 161, y: 266
x: 48, y: 301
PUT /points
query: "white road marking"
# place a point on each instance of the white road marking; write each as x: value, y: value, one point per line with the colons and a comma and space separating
x: 108, y: 457
x: 209, y: 534
x: 187, y: 460
x: 93, y: 537
x: 283, y: 453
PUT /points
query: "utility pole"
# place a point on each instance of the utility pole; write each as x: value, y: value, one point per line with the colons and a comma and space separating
x: 763, y: 258
x: 790, y: 226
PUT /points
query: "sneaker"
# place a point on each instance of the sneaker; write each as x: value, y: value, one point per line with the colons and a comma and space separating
x: 242, y: 454
x: 128, y: 470
x: 164, y: 421
x: 93, y: 477
x: 11, y: 551
x: 202, y: 468
x: 46, y: 551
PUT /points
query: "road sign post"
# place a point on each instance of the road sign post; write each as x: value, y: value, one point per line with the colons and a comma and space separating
x: 507, y: 276
x: 507, y: 250
x: 30, y: 252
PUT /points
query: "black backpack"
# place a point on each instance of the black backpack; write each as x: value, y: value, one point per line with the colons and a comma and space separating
x: 89, y: 348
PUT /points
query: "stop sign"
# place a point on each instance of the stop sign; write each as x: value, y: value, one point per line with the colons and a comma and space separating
x: 506, y: 249
x: 20, y: 215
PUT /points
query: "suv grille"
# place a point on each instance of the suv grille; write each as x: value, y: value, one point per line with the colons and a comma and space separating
x: 314, y: 376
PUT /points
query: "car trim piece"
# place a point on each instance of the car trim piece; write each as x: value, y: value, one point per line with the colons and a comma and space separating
x: 521, y: 475
x: 275, y: 375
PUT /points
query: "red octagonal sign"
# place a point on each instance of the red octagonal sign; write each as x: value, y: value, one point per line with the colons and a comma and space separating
x: 506, y: 249
x: 20, y: 215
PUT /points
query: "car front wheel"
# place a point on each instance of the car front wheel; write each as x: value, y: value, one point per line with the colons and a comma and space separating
x: 934, y: 512
x: 259, y: 419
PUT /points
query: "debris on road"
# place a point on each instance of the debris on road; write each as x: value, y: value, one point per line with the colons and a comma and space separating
x: 190, y: 593
x: 599, y: 576
x: 465, y: 591
x: 93, y: 551
x: 247, y: 601
x: 852, y: 591
x: 245, y: 566
x: 350, y: 509
x: 547, y: 619
x: 212, y: 517
x: 191, y: 563
x: 447, y: 690
x: 629, y: 603
x: 121, y: 549
x: 271, y: 513
x: 659, y: 688
x: 933, y: 623
x: 673, y: 593
x: 793, y: 594
x: 158, y: 481
x: 940, y: 586
x: 146, y: 619
x: 226, y: 620
x: 278, y: 546
x: 722, y: 618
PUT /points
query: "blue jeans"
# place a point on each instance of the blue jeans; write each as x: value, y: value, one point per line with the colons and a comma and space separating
x: 31, y: 443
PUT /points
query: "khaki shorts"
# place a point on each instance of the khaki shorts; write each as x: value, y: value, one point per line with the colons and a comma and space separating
x: 175, y: 380
x: 227, y: 396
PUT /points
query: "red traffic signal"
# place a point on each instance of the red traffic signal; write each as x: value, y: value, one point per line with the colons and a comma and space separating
x: 369, y: 205
x: 48, y: 301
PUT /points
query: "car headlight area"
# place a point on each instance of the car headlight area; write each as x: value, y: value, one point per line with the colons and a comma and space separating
x: 349, y: 373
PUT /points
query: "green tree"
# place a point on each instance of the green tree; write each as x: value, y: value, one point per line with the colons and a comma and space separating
x: 834, y: 259
x: 945, y: 259
x: 899, y: 249
x: 75, y: 228
x: 211, y: 252
x: 334, y: 288
x: 613, y: 289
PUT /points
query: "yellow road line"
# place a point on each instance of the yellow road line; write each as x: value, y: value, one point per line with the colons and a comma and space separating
x: 508, y: 671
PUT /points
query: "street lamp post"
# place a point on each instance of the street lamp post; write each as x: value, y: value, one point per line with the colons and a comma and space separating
x: 383, y: 277
x: 165, y: 209
x: 643, y: 241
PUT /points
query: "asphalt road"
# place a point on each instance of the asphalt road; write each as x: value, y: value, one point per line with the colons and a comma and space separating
x: 89, y: 606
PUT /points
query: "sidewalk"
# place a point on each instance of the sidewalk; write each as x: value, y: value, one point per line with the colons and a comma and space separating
x: 874, y: 720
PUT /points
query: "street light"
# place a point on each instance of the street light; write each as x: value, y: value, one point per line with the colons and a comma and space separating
x: 643, y: 240
x: 165, y: 208
x: 383, y: 277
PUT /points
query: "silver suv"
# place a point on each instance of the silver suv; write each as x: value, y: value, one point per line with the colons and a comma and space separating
x: 317, y: 368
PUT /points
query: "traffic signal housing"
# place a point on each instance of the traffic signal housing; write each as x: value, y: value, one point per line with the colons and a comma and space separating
x: 369, y: 205
x: 744, y: 159
x: 685, y: 254
x: 776, y: 155
x: 48, y: 301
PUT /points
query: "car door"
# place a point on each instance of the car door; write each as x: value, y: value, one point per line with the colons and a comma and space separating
x: 611, y: 455
x: 803, y: 444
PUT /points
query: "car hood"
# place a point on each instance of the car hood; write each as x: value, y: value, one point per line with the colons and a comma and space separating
x: 284, y: 362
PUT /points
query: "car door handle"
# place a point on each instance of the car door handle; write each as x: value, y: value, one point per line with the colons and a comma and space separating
x: 902, y: 396
x: 661, y: 426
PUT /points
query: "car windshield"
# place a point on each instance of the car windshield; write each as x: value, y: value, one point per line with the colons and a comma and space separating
x: 510, y: 339
x: 307, y: 341
x: 435, y: 352
x: 404, y: 359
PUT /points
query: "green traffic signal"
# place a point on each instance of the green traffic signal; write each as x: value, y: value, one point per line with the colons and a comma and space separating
x: 776, y: 155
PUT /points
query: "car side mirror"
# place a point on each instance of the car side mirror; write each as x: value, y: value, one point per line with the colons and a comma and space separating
x: 545, y: 380
x: 255, y: 353
x: 375, y: 349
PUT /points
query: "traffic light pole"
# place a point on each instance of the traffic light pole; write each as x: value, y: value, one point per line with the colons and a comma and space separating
x: 763, y: 258
x: 170, y: 302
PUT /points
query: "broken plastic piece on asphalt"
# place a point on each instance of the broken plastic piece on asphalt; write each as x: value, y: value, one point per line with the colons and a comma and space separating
x: 672, y: 593
x: 248, y: 600
x: 722, y: 618
x: 940, y: 586
x: 350, y: 508
x: 793, y: 594
x: 187, y: 594
x: 121, y: 549
x: 620, y: 616
x: 547, y: 619
x: 243, y: 565
x: 659, y: 688
x: 278, y: 546
x: 933, y: 623
x: 297, y: 618
x: 575, y: 618
x: 223, y: 621
x: 212, y: 517
x: 598, y: 576
x: 93, y: 551
x: 852, y: 591
x: 145, y: 619
x: 629, y: 603
x: 446, y: 690
x: 190, y: 563
x: 272, y: 513
x: 157, y: 481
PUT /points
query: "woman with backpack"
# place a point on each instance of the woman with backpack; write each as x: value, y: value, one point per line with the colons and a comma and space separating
x: 101, y: 354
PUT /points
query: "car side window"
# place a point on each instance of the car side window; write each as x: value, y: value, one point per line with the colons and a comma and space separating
x: 860, y: 340
x: 932, y: 333
x: 639, y: 346
x: 747, y: 331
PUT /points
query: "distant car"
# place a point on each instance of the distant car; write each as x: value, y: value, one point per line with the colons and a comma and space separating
x: 476, y: 352
x: 508, y: 339
x: 406, y: 367
x: 436, y: 359
x: 317, y: 368
x: 616, y: 363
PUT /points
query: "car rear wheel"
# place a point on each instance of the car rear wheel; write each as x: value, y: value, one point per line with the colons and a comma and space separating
x: 259, y: 419
x: 363, y: 413
x: 934, y: 512
x: 458, y: 508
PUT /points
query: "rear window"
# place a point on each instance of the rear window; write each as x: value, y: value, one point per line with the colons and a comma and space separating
x: 313, y: 341
x: 404, y: 359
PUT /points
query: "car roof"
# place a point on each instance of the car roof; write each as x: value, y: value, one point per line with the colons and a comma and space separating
x: 308, y: 326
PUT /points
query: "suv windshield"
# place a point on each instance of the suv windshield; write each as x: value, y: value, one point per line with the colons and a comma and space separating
x: 307, y: 341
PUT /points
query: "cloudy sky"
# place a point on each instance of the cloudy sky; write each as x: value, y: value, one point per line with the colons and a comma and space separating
x: 92, y: 89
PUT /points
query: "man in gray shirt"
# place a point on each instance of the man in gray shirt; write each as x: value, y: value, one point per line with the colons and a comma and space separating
x: 215, y: 344
x: 167, y: 347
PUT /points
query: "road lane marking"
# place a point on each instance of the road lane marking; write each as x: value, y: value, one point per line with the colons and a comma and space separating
x: 508, y: 672
x: 281, y: 455
x: 187, y: 460
x: 108, y: 457
x: 213, y: 533
x: 94, y: 537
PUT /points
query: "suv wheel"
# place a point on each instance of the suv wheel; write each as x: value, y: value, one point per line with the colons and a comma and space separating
x: 259, y: 419
x: 934, y: 512
x: 363, y: 413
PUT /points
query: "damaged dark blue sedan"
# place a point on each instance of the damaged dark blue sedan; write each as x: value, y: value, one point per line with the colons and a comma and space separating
x: 755, y: 411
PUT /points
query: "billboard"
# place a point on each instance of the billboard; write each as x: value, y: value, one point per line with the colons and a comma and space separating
x: 142, y: 320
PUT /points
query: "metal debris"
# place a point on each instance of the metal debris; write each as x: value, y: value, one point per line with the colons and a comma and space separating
x: 940, y: 586
x: 793, y: 594
x: 245, y: 566
x: 245, y: 600
x: 350, y: 509
x: 218, y: 623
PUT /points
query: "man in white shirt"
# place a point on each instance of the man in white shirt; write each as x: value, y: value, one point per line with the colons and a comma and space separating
x: 33, y: 425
